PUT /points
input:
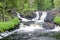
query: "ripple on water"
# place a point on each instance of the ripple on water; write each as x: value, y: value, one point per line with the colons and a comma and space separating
x: 43, y: 38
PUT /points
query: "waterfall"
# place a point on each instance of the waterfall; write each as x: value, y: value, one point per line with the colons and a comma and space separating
x: 37, y: 16
x: 23, y: 19
x: 37, y: 20
x: 26, y: 20
x: 44, y: 14
x: 32, y: 27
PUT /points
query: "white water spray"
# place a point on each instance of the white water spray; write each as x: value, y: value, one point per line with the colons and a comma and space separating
x: 30, y: 28
x: 23, y: 19
x: 44, y: 14
x: 57, y: 28
x: 37, y: 17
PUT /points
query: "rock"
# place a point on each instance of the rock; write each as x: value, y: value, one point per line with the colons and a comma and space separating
x: 48, y: 25
x: 28, y: 23
x: 40, y: 13
x: 50, y: 16
x: 29, y: 15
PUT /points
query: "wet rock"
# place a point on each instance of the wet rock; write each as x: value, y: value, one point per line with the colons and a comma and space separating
x: 40, y: 13
x: 28, y: 23
x: 50, y: 16
x: 48, y: 25
x: 29, y: 15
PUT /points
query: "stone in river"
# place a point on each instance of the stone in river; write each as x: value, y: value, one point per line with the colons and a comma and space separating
x: 48, y: 25
x: 50, y: 16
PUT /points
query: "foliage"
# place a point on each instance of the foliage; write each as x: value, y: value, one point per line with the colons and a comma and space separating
x: 56, y: 3
x: 25, y: 7
x: 9, y: 24
x: 57, y: 20
x: 43, y: 4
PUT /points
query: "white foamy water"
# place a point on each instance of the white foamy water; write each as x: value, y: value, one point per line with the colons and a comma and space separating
x: 30, y: 28
x: 33, y: 27
x: 44, y: 14
x: 23, y: 19
x: 57, y: 28
x: 37, y: 16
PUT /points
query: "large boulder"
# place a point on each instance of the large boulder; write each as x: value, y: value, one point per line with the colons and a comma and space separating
x: 29, y: 16
x: 28, y: 23
x: 50, y: 16
x: 48, y: 25
x: 40, y: 13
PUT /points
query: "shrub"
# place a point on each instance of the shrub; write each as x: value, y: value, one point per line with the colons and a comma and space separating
x: 9, y: 24
x: 57, y: 20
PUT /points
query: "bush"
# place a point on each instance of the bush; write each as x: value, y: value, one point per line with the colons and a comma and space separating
x: 57, y: 20
x: 8, y: 25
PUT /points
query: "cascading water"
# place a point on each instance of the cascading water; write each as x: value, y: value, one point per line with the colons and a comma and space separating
x: 44, y: 14
x: 35, y: 31
x: 23, y: 19
x: 37, y: 17
x: 31, y: 27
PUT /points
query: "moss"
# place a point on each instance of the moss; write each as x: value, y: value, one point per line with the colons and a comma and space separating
x: 57, y: 20
x: 9, y: 24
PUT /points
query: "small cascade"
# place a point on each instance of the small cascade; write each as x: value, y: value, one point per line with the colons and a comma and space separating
x: 37, y: 16
x: 26, y: 20
x: 57, y: 28
x: 23, y: 19
x: 44, y: 14
x: 37, y: 24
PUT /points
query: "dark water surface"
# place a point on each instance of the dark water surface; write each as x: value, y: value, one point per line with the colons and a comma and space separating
x: 33, y: 36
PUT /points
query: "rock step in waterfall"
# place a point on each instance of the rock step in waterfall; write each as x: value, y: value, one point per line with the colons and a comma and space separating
x: 39, y: 26
x: 50, y: 16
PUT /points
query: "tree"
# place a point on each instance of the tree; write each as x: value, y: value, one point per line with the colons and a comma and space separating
x: 57, y: 3
x: 43, y: 4
x: 5, y: 6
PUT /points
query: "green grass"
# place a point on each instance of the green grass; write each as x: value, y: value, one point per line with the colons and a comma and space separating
x: 57, y: 20
x: 8, y: 25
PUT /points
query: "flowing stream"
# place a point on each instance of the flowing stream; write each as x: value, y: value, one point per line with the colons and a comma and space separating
x: 35, y: 31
